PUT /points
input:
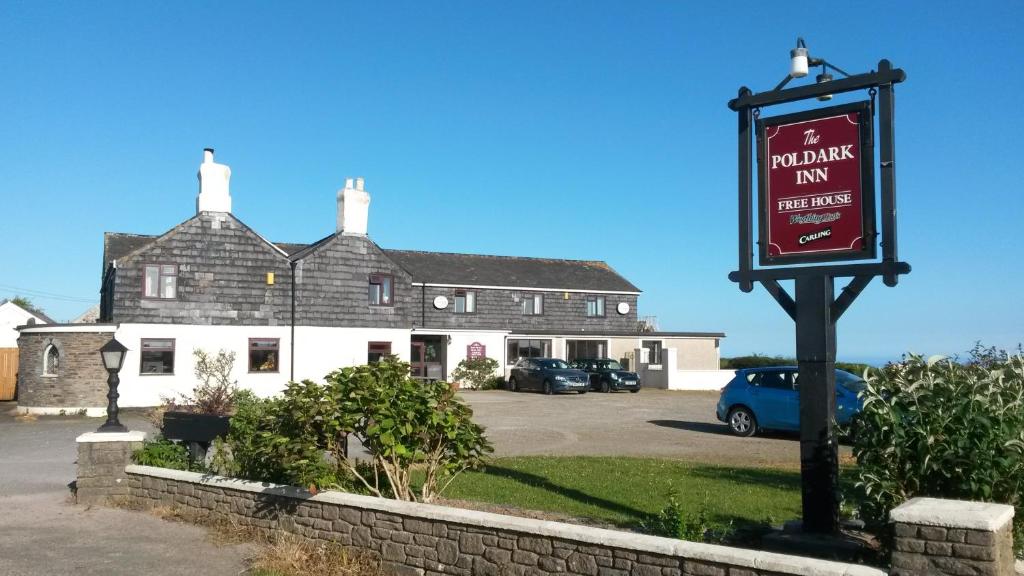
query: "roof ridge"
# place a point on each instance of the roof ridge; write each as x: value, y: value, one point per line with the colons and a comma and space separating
x: 495, y: 256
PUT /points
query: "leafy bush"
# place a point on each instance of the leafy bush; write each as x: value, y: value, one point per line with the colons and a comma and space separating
x: 164, y: 453
x: 674, y: 521
x: 758, y: 361
x: 943, y: 429
x: 477, y: 374
x: 301, y: 437
x: 404, y: 423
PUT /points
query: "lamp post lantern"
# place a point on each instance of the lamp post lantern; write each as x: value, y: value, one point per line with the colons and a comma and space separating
x: 112, y: 354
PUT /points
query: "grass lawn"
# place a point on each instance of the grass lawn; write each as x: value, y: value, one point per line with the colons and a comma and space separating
x: 623, y: 491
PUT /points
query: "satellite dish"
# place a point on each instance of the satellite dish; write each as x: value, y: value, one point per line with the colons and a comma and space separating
x: 440, y: 302
x: 622, y: 308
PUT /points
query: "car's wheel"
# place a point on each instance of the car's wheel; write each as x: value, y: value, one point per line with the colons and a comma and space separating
x: 547, y: 387
x: 634, y: 391
x: 742, y: 421
x: 605, y: 387
x: 513, y: 386
x: 582, y: 391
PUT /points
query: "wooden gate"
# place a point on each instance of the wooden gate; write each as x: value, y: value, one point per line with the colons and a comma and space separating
x: 8, y: 373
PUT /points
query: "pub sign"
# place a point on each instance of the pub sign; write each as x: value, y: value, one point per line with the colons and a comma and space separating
x: 476, y: 350
x: 816, y: 185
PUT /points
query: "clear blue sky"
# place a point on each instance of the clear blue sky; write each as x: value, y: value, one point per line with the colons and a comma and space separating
x: 594, y: 130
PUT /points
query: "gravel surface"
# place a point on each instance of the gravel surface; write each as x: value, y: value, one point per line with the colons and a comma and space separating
x: 656, y: 423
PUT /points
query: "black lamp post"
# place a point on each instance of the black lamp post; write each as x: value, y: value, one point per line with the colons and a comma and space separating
x: 113, y: 357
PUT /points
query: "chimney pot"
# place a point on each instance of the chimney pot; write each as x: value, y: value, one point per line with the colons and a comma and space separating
x: 348, y: 183
x: 214, y: 180
x: 353, y: 208
x: 359, y: 183
x: 207, y: 155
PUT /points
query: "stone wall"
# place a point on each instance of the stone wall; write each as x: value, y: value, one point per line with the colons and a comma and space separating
x: 423, y: 539
x: 948, y: 537
x: 102, y: 458
x: 80, y: 380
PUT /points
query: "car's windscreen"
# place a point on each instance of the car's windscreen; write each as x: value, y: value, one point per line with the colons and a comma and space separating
x: 852, y: 383
x: 554, y: 364
x: 610, y: 365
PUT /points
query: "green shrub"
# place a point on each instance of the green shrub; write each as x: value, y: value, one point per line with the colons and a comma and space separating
x: 942, y: 429
x: 164, y: 453
x: 675, y: 521
x: 758, y: 361
x: 477, y: 374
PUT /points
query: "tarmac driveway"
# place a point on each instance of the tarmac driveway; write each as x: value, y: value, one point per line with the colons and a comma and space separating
x: 656, y: 423
x: 41, y: 533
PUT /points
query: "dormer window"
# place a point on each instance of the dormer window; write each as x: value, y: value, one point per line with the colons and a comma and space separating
x: 382, y: 290
x: 160, y: 281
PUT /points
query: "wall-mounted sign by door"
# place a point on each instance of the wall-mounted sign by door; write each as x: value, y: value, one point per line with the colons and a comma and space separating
x: 816, y: 185
x: 476, y: 350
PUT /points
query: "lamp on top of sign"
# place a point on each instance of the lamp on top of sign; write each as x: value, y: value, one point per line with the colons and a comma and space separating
x: 816, y: 185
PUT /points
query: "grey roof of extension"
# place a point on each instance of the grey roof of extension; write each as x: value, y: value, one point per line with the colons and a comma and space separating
x: 510, y: 271
x: 448, y: 268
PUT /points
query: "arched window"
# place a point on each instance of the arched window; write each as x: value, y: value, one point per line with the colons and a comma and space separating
x: 51, y: 360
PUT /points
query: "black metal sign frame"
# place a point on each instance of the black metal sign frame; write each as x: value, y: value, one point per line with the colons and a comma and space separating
x: 866, y: 248
x: 816, y: 309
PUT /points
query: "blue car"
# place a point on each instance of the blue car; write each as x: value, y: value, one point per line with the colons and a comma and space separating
x: 769, y: 399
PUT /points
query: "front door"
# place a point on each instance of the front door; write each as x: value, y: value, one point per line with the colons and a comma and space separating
x: 419, y: 367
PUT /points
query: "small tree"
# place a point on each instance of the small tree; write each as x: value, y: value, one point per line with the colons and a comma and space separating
x: 215, y: 392
x: 476, y: 373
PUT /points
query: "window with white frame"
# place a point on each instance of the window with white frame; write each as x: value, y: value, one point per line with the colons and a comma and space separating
x: 595, y: 306
x: 533, y: 304
x: 160, y: 281
x: 465, y: 302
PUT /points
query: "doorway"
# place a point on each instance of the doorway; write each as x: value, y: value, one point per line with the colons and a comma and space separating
x: 427, y: 356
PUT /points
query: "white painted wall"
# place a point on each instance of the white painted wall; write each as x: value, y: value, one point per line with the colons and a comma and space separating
x: 668, y: 376
x: 494, y: 341
x: 12, y: 316
x: 318, y: 351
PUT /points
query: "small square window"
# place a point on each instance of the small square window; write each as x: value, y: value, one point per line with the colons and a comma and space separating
x: 264, y: 354
x: 157, y: 356
x: 595, y: 306
x: 533, y: 304
x: 377, y: 350
x: 160, y: 281
x: 465, y: 302
x: 381, y: 290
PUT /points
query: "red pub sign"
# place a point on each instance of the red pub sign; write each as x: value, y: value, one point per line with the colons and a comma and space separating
x: 476, y: 350
x: 816, y: 185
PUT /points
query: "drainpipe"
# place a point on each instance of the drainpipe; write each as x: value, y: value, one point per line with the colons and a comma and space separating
x: 292, y: 339
x: 423, y: 306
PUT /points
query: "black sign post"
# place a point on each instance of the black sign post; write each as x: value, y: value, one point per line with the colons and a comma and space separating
x: 816, y: 308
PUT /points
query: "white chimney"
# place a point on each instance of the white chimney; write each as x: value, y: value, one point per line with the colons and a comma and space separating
x: 353, y: 208
x: 213, y: 185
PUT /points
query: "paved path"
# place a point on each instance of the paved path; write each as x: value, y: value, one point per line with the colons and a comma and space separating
x: 42, y: 534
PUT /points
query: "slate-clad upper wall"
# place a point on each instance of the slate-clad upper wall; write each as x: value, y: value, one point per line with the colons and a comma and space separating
x: 333, y: 285
x: 222, y: 277
x: 498, y: 309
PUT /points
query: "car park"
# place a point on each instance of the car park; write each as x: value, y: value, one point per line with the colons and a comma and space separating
x: 547, y: 375
x: 607, y: 375
x: 769, y: 399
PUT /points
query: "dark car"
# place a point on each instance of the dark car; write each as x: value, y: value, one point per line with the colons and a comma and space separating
x: 769, y: 398
x: 607, y: 374
x: 547, y: 375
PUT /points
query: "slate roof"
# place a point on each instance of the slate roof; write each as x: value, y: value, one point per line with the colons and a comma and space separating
x: 449, y: 268
x: 509, y: 271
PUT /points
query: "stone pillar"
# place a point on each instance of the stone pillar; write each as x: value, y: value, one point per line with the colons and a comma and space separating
x: 102, y: 457
x: 947, y: 537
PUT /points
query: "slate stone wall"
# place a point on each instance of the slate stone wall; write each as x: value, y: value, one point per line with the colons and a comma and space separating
x: 81, y: 380
x: 499, y: 310
x: 101, y: 465
x: 936, y: 550
x: 333, y: 286
x: 419, y: 539
x: 222, y: 277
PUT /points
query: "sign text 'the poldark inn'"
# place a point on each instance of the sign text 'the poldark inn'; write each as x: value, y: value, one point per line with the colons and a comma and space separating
x: 815, y: 179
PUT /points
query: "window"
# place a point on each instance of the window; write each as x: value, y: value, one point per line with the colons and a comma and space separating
x: 654, y: 346
x: 777, y: 380
x: 51, y: 360
x: 595, y: 306
x: 382, y: 288
x: 533, y: 304
x: 377, y: 350
x: 263, y: 354
x: 522, y: 348
x: 465, y: 302
x: 157, y: 356
x: 160, y: 281
x: 585, y: 349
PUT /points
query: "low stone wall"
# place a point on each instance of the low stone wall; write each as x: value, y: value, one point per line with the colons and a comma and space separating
x: 421, y: 539
x: 80, y: 381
